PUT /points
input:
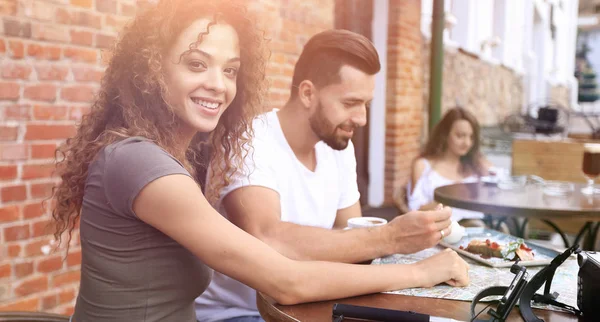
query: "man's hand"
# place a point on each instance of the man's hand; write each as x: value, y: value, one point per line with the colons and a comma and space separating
x: 418, y: 230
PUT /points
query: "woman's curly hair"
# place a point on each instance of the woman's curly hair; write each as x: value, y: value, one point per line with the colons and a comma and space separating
x: 131, y: 100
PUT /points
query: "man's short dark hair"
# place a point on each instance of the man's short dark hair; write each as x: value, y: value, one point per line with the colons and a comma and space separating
x: 326, y: 52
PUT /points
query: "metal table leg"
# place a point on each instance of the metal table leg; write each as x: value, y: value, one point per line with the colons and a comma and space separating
x: 560, y: 232
x: 581, y: 234
x: 520, y: 227
x: 590, y: 242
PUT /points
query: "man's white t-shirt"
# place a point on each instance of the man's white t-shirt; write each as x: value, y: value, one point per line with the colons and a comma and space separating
x: 306, y: 197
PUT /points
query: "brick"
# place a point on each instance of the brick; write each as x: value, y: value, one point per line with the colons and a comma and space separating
x: 32, y: 285
x: 35, y: 248
x: 105, y: 57
x: 49, y: 132
x: 50, y: 32
x: 13, y: 70
x: 42, y: 92
x: 86, y: 74
x: 81, y: 55
x: 13, y: 193
x: 9, y: 133
x: 86, y: 19
x: 44, y: 52
x: 42, y: 10
x: 15, y: 112
x: 42, y: 228
x: 46, y: 72
x: 105, y: 41
x: 5, y: 270
x: 16, y: 232
x: 63, y: 16
x: 41, y: 190
x: 106, y: 6
x: 16, y: 28
x: 49, y: 301
x: 50, y: 112
x: 34, y: 210
x: 50, y: 264
x: 78, y: 93
x: 31, y: 304
x: 13, y: 251
x: 23, y: 269
x: 8, y: 7
x: 82, y: 3
x: 115, y: 23
x: 13, y: 152
x: 37, y: 171
x: 84, y: 38
x: 65, y: 278
x: 127, y: 9
x: 9, y: 91
x: 16, y: 49
x: 74, y: 257
x: 42, y: 151
x: 66, y: 296
x: 77, y: 113
x: 7, y: 172
x: 9, y: 214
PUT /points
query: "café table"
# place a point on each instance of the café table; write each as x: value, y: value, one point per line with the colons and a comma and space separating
x: 322, y: 311
x: 529, y: 201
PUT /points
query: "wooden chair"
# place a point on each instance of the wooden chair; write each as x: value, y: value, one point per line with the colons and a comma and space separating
x: 551, y: 160
x: 32, y: 317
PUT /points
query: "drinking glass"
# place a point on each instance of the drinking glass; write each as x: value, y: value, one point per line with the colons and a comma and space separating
x: 591, y: 166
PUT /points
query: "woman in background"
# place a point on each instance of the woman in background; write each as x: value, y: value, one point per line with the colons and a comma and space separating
x: 451, y: 156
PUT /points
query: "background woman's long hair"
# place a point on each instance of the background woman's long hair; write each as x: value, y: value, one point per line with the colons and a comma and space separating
x: 472, y: 162
x: 131, y: 100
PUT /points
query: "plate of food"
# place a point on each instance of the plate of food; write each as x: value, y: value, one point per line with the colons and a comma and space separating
x: 496, y: 249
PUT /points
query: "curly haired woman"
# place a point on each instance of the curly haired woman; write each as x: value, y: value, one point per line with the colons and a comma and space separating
x: 148, y: 234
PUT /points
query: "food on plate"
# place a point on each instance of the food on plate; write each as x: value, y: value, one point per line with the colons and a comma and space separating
x: 516, y: 250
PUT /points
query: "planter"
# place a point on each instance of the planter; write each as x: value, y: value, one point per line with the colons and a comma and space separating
x: 588, y: 98
x: 588, y: 85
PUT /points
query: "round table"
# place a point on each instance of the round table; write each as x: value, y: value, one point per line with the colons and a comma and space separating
x: 322, y: 311
x: 529, y: 202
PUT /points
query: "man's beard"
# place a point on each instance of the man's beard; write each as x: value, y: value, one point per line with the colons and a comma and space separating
x: 327, y: 131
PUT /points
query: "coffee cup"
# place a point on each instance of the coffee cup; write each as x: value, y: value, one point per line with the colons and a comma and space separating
x: 363, y: 222
x: 457, y: 233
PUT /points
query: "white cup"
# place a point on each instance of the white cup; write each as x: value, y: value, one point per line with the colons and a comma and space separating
x: 458, y: 232
x: 363, y: 222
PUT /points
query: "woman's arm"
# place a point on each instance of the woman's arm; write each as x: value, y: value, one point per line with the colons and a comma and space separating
x: 175, y: 205
x: 486, y: 165
x: 417, y: 170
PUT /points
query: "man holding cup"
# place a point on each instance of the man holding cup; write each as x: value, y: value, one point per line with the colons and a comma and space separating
x: 297, y: 189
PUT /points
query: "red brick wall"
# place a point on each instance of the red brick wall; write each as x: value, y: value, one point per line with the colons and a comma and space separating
x: 52, y: 52
x: 289, y: 24
x: 404, y: 116
x: 51, y: 68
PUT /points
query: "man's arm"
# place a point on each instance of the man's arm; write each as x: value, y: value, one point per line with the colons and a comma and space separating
x: 342, y: 215
x: 257, y: 210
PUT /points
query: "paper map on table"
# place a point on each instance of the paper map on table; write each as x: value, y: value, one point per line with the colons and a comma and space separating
x: 481, y: 276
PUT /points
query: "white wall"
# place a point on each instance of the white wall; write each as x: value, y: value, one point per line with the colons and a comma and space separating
x: 594, y: 53
x: 377, y: 110
x: 516, y: 34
